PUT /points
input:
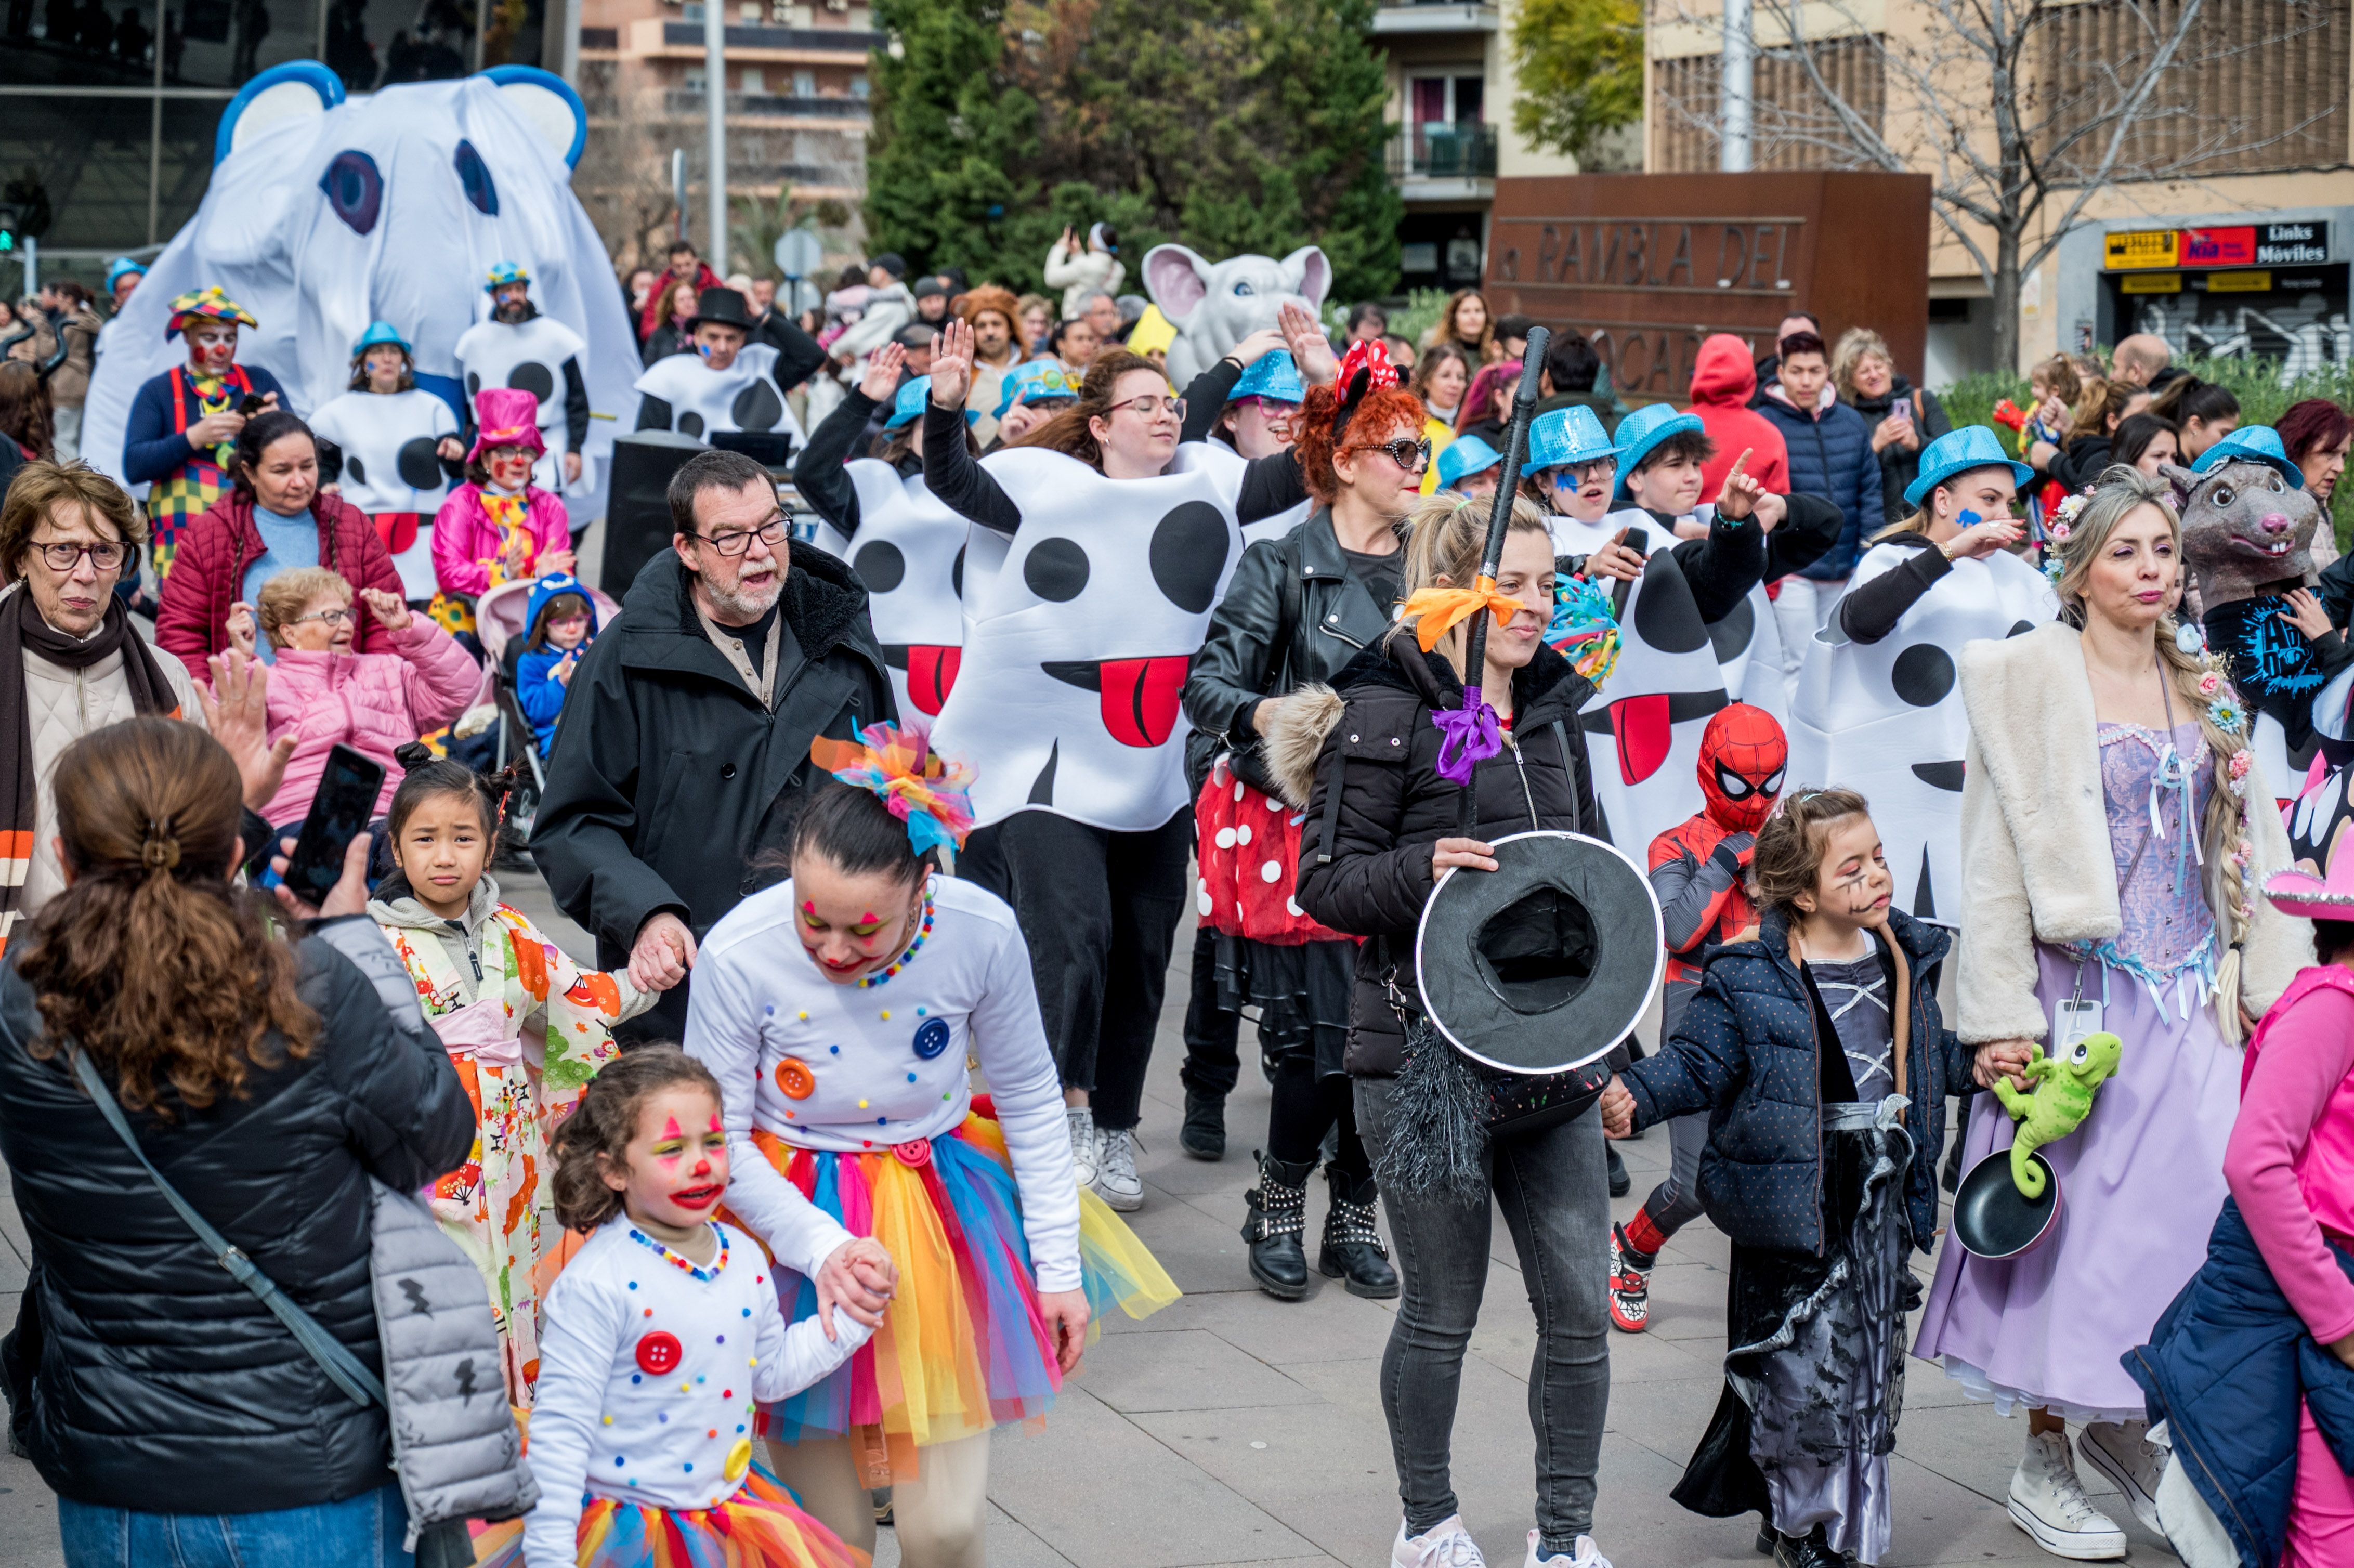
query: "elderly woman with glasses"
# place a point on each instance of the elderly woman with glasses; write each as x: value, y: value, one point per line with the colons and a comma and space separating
x: 1116, y: 536
x: 321, y: 694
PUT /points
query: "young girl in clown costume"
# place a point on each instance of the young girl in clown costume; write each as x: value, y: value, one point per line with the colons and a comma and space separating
x: 841, y: 1010
x: 498, y: 526
x: 525, y: 1027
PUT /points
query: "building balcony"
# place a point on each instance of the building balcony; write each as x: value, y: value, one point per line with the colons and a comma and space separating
x: 1436, y: 160
x: 846, y: 40
x: 1431, y: 17
x: 690, y: 103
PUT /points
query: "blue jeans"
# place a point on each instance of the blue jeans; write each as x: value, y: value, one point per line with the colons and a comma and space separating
x: 364, y: 1531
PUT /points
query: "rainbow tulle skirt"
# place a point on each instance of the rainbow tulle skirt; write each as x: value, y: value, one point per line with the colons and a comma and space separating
x: 759, y: 1527
x: 963, y: 1348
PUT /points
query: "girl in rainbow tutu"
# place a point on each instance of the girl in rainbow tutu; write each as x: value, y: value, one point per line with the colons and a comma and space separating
x: 842, y: 1012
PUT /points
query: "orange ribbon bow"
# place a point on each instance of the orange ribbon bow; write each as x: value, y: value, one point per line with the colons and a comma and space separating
x: 1442, y: 607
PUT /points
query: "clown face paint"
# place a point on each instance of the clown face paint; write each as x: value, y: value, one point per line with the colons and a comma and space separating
x: 1644, y: 734
x: 390, y: 465
x: 744, y: 397
x: 530, y: 357
x: 675, y: 1170
x: 1887, y: 718
x: 910, y: 552
x: 1077, y: 648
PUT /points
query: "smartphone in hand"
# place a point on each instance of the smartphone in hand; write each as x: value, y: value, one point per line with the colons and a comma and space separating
x: 339, y: 812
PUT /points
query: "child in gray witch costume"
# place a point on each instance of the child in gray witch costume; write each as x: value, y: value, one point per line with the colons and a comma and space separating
x: 1818, y: 1048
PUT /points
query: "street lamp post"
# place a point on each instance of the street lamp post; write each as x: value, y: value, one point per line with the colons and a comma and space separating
x: 714, y: 89
x: 1736, y: 73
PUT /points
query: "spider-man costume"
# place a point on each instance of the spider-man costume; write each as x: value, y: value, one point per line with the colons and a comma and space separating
x: 1743, y: 752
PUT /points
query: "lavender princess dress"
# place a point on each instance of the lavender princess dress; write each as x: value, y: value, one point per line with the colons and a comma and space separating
x: 2142, y: 1181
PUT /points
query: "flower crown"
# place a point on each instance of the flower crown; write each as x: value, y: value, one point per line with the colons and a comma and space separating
x: 931, y: 795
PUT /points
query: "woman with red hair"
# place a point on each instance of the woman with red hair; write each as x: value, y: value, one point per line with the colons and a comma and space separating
x: 1300, y: 608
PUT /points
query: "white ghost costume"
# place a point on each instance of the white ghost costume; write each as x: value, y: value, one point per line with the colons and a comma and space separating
x: 390, y: 465
x: 910, y: 554
x: 329, y: 212
x: 744, y: 397
x: 1227, y: 467
x: 1643, y: 732
x: 1066, y: 698
x: 1886, y: 718
x: 531, y: 356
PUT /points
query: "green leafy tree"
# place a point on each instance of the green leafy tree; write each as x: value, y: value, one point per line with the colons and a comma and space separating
x: 1233, y: 125
x: 1580, y: 64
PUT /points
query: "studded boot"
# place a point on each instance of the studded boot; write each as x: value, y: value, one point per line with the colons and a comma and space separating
x: 1352, y: 1251
x: 1277, y: 1217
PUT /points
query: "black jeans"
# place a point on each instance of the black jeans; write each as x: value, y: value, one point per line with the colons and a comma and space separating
x: 1099, y: 911
x: 1213, y: 1036
x: 1553, y: 1190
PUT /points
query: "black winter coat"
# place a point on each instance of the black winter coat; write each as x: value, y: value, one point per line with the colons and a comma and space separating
x: 1251, y: 653
x: 163, y: 1383
x: 1831, y: 456
x: 668, y: 788
x: 1900, y: 465
x: 1747, y: 1052
x: 1379, y: 804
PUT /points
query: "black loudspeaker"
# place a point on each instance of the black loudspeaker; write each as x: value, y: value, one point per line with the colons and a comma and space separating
x: 637, y: 515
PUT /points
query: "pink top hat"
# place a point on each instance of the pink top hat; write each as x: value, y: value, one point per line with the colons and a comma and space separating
x: 506, y: 417
x: 2301, y: 894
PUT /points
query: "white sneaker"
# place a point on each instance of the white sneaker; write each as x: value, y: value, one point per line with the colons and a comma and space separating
x: 2048, y: 1502
x: 1117, y: 1183
x: 1445, y: 1544
x: 2123, y: 1452
x: 1083, y: 1142
x: 1588, y: 1555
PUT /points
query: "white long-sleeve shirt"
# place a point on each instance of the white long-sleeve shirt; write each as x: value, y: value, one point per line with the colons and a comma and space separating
x: 650, y: 1378
x: 853, y: 1069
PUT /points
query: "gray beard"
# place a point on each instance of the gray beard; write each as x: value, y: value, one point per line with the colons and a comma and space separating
x: 748, y: 610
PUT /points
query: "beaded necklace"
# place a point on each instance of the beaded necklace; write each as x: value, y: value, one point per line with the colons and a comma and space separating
x: 868, y: 982
x: 700, y: 1271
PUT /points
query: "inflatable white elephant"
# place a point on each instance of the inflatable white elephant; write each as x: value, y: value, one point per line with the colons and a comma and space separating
x: 1215, y: 304
x: 326, y: 212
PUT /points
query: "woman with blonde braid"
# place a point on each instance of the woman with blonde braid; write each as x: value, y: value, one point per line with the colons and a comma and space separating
x: 2111, y: 857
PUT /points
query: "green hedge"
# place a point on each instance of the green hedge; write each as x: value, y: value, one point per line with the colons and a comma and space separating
x: 2256, y: 383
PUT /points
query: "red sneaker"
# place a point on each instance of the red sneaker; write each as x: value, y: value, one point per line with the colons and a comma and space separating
x: 1630, y: 1284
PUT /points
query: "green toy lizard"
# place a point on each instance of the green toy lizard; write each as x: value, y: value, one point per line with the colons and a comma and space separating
x: 2058, y: 1104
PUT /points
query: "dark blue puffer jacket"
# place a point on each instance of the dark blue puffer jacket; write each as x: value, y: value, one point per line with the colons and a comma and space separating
x: 1745, y: 1053
x: 2225, y: 1368
x: 1831, y: 456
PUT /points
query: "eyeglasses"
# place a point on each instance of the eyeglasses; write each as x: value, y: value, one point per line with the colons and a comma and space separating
x: 737, y: 541
x: 105, y: 554
x: 1148, y: 406
x: 1572, y: 476
x: 1409, y: 454
x: 330, y: 617
x: 1274, y: 411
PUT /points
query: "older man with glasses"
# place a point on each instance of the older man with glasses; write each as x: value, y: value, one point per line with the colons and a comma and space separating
x: 684, y: 751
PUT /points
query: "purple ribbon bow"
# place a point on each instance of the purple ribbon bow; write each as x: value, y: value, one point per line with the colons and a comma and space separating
x: 1471, y: 736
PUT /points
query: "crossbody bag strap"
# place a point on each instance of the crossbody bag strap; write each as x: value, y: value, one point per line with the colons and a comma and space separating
x: 343, y: 1369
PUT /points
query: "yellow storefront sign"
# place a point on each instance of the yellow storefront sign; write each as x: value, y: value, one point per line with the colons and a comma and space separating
x: 2139, y: 247
x: 2157, y: 283
x: 2239, y: 282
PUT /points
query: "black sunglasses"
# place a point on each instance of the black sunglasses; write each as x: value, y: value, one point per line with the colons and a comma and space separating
x: 1406, y: 452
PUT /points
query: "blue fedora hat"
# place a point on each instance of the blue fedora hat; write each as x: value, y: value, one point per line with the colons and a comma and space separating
x: 1465, y: 456
x: 384, y: 332
x: 1566, y: 435
x: 1271, y: 376
x: 909, y: 406
x: 1034, y: 381
x: 1641, y: 431
x: 2252, y: 443
x: 1958, y: 451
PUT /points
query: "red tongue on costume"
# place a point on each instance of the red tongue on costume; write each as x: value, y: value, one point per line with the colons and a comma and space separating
x: 1644, y: 729
x: 931, y: 673
x: 1140, y: 698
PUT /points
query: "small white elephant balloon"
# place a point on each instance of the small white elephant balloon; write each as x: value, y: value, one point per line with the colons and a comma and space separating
x: 1215, y: 305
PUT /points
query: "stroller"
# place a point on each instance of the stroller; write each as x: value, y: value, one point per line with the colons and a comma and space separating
x: 494, y: 726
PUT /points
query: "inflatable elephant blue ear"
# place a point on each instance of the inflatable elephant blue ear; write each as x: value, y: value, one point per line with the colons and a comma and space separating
x: 548, y: 105
x: 298, y: 89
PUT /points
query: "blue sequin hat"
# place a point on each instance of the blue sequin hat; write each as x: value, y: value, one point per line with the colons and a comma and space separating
x: 1567, y: 436
x: 1642, y: 430
x: 2252, y: 443
x: 1958, y: 451
x: 909, y: 406
x: 1038, y: 381
x: 381, y: 332
x: 1271, y: 376
x: 1465, y: 456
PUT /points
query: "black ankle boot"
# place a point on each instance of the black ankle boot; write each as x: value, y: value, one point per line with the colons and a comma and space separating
x: 1810, y: 1550
x: 1278, y: 1214
x: 1203, y: 1136
x: 1352, y: 1251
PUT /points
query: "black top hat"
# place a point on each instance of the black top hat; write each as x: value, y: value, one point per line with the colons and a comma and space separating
x: 721, y: 307
x: 1546, y: 962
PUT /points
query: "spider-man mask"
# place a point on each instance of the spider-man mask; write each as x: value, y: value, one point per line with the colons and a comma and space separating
x: 1743, y: 752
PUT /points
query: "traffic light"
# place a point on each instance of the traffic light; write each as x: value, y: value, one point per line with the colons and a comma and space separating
x: 11, y: 229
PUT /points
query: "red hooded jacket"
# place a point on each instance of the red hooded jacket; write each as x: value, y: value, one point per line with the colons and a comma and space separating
x: 210, y: 569
x: 1722, y: 382
x: 650, y: 316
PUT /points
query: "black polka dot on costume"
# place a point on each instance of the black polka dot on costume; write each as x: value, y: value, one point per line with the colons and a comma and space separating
x: 880, y: 565
x: 690, y: 423
x: 1923, y: 674
x: 419, y: 463
x: 1188, y: 555
x: 535, y: 379
x: 758, y: 407
x: 357, y: 469
x: 1056, y: 570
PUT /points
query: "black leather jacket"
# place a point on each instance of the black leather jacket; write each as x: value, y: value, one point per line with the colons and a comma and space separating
x: 1291, y: 616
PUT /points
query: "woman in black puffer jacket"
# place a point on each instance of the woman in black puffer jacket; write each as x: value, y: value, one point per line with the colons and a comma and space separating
x: 1382, y: 824
x: 267, y: 1083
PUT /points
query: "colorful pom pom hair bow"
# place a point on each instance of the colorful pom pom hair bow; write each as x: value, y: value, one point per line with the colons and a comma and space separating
x: 931, y: 795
